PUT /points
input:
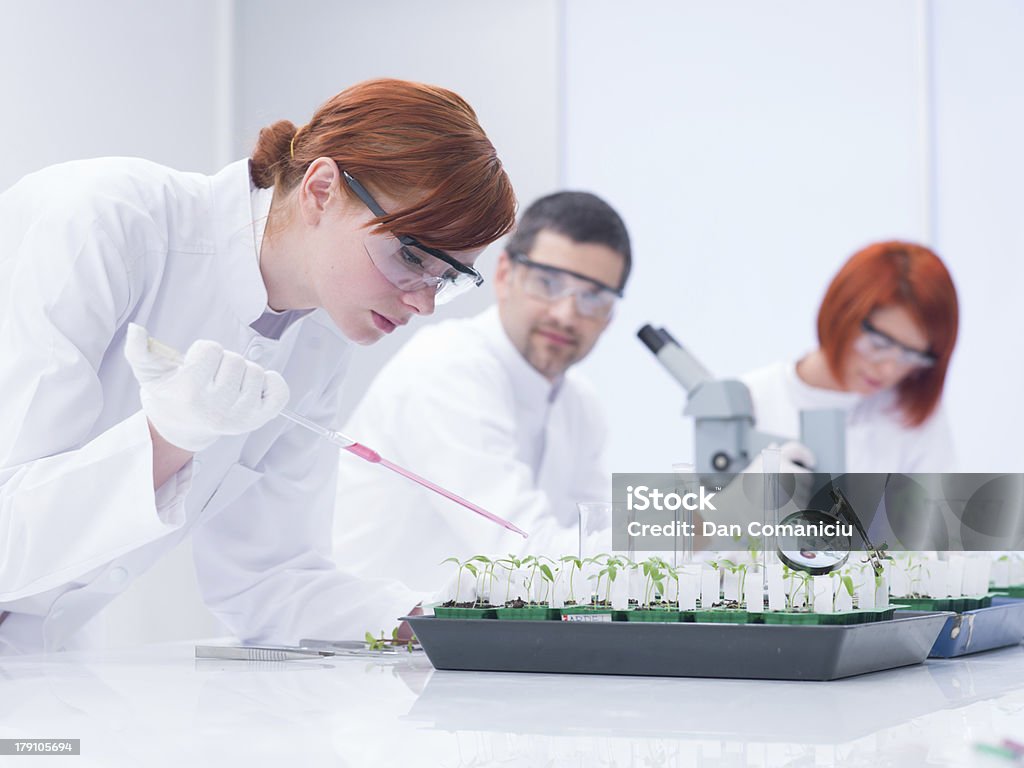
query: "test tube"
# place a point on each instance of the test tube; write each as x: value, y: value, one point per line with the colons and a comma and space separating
x: 771, y: 460
x: 684, y: 485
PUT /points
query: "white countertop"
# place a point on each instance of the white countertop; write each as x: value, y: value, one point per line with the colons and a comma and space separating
x: 158, y: 705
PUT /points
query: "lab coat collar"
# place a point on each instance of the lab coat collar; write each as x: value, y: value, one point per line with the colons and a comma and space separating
x: 236, y: 241
x: 530, y: 386
x: 817, y: 397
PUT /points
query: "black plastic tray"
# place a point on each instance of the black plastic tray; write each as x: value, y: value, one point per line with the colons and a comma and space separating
x: 749, y: 651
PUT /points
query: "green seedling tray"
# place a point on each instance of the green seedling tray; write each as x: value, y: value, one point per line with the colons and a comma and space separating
x: 465, y: 613
x: 571, y: 609
x: 617, y: 615
x: 1016, y: 591
x: 749, y: 651
x: 791, y: 619
x: 724, y: 616
x: 842, y: 618
x: 955, y: 604
x: 528, y: 613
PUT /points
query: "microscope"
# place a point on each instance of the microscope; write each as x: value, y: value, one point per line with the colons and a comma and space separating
x: 723, y: 414
x: 727, y: 441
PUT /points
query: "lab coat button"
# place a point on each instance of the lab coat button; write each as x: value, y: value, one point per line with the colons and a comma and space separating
x: 118, y: 576
x: 255, y: 352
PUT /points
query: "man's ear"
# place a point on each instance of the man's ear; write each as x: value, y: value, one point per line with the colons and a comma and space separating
x: 317, y: 187
x: 503, y: 276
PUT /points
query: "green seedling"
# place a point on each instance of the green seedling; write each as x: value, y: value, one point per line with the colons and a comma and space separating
x: 798, y: 580
x: 462, y: 566
x: 380, y: 643
x: 655, y: 570
x: 510, y: 564
x: 598, y: 560
x: 550, y: 575
x: 737, y: 568
x: 485, y: 579
x: 845, y: 581
x: 532, y: 564
x: 914, y: 569
x: 612, y: 566
x: 751, y: 544
x: 536, y: 565
x: 672, y: 574
x: 574, y: 565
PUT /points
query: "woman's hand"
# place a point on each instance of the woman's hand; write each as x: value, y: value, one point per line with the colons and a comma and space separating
x: 209, y: 394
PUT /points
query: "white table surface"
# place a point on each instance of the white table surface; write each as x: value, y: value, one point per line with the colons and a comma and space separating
x: 158, y: 705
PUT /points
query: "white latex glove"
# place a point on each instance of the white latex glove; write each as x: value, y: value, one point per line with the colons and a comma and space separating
x: 794, y: 458
x: 211, y: 393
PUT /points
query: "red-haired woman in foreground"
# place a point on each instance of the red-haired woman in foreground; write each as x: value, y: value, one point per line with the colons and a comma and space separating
x: 333, y: 233
x: 886, y: 331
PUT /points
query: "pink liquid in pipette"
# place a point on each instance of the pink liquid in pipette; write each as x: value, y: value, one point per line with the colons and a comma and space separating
x: 372, y: 456
x: 169, y: 353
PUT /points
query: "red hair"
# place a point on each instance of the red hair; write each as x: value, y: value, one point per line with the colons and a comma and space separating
x: 894, y: 274
x: 401, y: 137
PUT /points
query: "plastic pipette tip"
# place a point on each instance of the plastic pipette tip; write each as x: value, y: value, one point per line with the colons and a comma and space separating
x: 364, y: 453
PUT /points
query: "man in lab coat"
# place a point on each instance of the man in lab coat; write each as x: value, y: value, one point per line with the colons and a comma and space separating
x: 490, y: 408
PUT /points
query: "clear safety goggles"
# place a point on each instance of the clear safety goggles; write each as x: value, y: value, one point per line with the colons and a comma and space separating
x: 408, y: 264
x: 878, y: 347
x: 592, y: 298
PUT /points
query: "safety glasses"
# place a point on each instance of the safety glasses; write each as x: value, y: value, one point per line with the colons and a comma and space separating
x: 878, y: 346
x: 408, y: 264
x: 593, y: 299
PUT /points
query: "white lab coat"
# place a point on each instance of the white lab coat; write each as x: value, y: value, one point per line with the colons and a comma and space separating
x: 459, y: 405
x: 85, y: 248
x: 877, y: 440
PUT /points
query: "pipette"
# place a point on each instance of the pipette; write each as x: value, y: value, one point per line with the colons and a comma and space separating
x: 360, y: 450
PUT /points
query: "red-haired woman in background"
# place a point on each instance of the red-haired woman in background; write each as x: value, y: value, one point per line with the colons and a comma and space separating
x: 886, y: 329
x: 332, y: 234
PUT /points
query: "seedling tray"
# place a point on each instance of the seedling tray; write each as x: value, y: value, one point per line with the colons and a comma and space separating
x: 749, y: 651
x: 981, y: 630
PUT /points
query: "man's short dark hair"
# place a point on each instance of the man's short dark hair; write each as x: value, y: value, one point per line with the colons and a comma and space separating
x: 580, y: 216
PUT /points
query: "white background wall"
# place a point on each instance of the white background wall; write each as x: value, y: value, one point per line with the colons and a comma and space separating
x: 751, y: 148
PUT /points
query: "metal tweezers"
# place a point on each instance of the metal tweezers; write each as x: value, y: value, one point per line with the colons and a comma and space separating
x: 309, y: 649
